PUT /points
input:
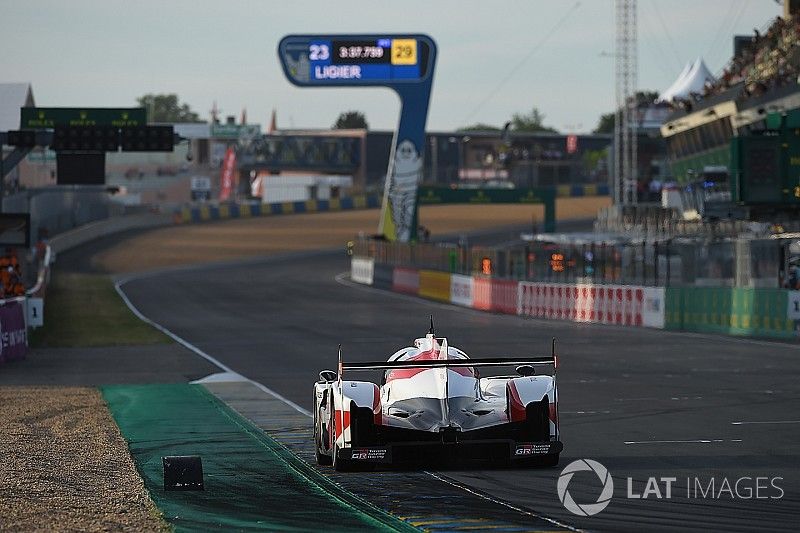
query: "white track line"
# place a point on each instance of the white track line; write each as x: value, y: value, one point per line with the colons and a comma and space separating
x: 201, y: 353
x: 225, y: 368
x: 500, y: 502
x: 766, y: 422
x: 693, y: 441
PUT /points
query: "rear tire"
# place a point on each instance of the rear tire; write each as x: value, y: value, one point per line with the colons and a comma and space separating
x: 550, y: 460
x: 322, y: 459
x: 340, y: 464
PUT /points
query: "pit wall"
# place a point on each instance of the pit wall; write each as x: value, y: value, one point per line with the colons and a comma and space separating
x: 773, y: 313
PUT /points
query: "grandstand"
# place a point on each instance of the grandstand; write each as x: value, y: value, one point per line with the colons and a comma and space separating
x: 761, y: 78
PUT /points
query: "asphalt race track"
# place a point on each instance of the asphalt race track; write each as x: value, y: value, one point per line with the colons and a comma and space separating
x: 641, y: 402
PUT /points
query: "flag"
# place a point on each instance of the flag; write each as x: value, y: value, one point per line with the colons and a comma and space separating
x: 228, y: 177
x: 273, y: 123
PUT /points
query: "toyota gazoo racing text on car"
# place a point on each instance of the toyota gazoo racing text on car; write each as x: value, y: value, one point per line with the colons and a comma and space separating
x: 432, y: 404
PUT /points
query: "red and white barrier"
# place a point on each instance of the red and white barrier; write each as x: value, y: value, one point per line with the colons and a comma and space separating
x: 405, y: 280
x: 504, y: 296
x: 623, y: 305
x: 482, y: 294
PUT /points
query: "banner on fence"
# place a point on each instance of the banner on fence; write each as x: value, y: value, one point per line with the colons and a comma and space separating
x: 405, y: 280
x: 434, y: 285
x: 13, y: 335
x: 461, y: 290
x: 362, y: 270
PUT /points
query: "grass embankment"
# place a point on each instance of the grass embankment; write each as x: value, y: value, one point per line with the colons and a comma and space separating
x: 84, y: 310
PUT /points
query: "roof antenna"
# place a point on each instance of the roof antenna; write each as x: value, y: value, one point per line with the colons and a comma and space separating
x: 340, y: 369
x: 430, y: 331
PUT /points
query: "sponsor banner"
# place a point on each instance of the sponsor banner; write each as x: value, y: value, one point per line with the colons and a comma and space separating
x: 13, y: 335
x: 374, y: 455
x: 461, y: 290
x: 405, y: 280
x: 434, y: 285
x: 482, y: 293
x: 653, y: 307
x: 362, y: 270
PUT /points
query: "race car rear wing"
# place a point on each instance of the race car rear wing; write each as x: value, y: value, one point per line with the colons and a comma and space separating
x: 447, y: 363
x: 552, y: 359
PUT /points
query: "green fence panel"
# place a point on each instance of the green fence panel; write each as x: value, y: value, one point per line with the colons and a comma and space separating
x: 729, y: 310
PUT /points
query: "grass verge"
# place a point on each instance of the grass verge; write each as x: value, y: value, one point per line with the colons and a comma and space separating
x: 84, y: 310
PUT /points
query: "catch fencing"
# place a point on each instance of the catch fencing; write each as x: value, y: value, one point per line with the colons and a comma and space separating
x: 753, y: 263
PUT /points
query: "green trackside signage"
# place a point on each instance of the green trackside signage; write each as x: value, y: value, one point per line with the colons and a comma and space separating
x: 50, y: 117
x: 234, y: 131
x: 428, y: 195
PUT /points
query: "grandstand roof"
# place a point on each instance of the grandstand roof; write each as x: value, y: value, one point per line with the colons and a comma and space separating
x: 691, y: 80
x: 12, y: 97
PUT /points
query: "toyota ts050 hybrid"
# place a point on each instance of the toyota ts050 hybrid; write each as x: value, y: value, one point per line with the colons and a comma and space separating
x: 432, y: 404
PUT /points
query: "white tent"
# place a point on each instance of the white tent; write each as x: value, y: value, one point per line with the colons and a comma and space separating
x: 691, y: 80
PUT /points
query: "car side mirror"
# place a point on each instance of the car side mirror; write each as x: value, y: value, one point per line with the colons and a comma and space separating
x: 327, y: 376
x: 525, y: 370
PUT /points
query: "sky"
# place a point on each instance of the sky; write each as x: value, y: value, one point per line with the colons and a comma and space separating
x: 496, y: 58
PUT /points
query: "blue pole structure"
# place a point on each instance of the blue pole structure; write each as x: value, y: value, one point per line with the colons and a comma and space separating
x: 403, y: 63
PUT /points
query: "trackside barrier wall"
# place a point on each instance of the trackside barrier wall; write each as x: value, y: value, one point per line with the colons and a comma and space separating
x: 733, y: 311
x: 461, y: 290
x: 102, y: 228
x: 205, y: 212
x: 434, y: 285
x: 504, y: 296
x: 382, y: 276
x: 736, y: 311
x: 362, y: 270
x: 623, y: 305
x: 406, y: 280
x: 482, y: 293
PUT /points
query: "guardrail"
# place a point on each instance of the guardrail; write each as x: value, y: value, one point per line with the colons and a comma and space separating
x: 224, y: 211
x: 773, y: 313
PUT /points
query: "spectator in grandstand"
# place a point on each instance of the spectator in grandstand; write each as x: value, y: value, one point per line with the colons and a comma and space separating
x: 771, y: 60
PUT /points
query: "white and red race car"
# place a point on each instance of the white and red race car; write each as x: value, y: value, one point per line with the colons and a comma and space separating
x: 432, y: 405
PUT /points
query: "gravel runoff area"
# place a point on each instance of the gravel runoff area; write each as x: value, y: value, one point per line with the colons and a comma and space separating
x: 64, y: 465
